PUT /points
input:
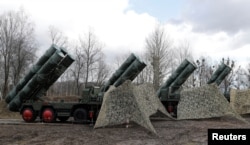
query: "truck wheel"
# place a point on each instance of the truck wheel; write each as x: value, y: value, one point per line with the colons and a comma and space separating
x: 80, y: 115
x: 63, y: 119
x: 96, y: 115
x: 48, y: 115
x: 28, y: 115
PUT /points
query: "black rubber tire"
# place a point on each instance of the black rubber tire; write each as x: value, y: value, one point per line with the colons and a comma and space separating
x: 96, y: 115
x: 80, y: 115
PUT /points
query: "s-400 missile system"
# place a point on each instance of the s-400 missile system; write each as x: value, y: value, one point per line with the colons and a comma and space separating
x: 26, y: 96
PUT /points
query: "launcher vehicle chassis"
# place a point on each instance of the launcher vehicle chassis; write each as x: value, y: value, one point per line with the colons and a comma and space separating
x: 50, y: 111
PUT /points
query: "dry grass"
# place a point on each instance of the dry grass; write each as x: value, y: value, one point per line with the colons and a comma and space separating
x: 6, y: 114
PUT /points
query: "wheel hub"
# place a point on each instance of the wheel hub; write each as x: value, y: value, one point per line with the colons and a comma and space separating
x: 27, y: 115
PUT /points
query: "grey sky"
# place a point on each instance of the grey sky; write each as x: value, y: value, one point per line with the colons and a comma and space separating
x: 216, y: 28
x: 230, y: 16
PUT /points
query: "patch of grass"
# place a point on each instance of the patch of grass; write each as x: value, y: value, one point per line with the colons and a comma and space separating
x: 6, y: 114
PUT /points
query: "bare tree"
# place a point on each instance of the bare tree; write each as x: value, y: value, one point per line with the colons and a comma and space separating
x: 248, y: 74
x: 7, y: 26
x: 57, y: 37
x: 25, y: 47
x: 89, y: 62
x: 183, y: 51
x: 91, y: 53
x: 102, y: 72
x: 78, y: 68
x: 204, y: 70
x: 159, y: 53
x: 240, y: 80
x: 17, y: 47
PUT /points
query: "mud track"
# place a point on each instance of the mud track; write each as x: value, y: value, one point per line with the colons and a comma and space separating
x: 184, y: 132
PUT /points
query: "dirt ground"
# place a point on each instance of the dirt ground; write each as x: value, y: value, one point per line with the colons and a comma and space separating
x: 184, y: 132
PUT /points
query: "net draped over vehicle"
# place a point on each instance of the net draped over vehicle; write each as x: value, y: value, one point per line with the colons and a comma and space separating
x: 204, y: 102
x: 130, y: 102
x: 240, y: 101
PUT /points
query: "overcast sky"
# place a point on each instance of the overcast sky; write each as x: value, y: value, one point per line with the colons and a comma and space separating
x: 215, y: 28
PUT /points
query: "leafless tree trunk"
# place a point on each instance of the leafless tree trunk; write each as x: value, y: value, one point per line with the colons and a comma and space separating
x: 204, y: 70
x: 159, y: 52
x: 248, y: 75
x: 16, y: 46
x: 102, y: 71
x: 182, y: 52
x: 57, y: 37
x: 70, y: 84
x: 91, y: 53
x: 25, y: 47
x: 78, y: 68
x: 7, y: 26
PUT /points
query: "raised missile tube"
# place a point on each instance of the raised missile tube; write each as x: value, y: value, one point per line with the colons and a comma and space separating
x: 174, y: 75
x: 183, y: 76
x: 50, y: 71
x: 65, y: 63
x: 131, y: 72
x: 131, y: 67
x: 31, y: 73
x: 220, y: 74
x: 175, y: 81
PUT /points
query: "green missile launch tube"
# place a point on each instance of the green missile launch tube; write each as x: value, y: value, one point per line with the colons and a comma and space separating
x: 176, y: 73
x: 119, y: 72
x: 217, y: 73
x: 37, y: 81
x: 223, y: 75
x: 178, y: 77
x: 31, y: 73
x: 131, y: 72
x: 183, y: 77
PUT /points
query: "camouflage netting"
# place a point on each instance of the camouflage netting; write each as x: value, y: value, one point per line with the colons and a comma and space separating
x: 204, y: 102
x: 128, y: 102
x: 240, y: 101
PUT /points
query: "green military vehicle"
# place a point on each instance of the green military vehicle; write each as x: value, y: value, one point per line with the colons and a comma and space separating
x: 169, y: 92
x: 26, y: 96
x: 219, y: 75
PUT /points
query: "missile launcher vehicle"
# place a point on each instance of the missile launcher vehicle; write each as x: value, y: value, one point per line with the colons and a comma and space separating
x: 219, y: 75
x: 169, y: 92
x: 26, y: 96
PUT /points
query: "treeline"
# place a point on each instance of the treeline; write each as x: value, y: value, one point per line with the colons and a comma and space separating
x: 18, y: 47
